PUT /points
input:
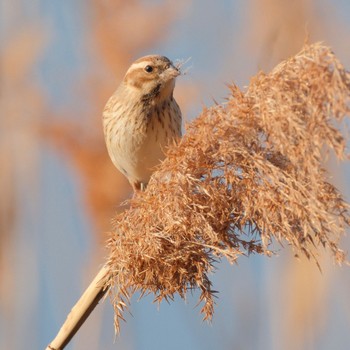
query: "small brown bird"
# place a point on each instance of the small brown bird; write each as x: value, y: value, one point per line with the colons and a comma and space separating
x: 139, y: 120
x: 142, y: 118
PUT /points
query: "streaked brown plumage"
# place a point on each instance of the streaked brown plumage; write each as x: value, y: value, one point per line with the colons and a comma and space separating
x: 142, y: 117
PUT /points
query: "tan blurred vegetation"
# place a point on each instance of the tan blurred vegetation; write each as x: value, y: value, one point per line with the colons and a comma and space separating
x: 22, y: 106
x: 280, y: 27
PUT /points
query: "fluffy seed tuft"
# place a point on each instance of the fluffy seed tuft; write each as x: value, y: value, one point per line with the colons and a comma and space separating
x: 248, y: 173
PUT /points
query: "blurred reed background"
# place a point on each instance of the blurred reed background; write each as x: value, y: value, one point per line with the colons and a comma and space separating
x: 60, y: 61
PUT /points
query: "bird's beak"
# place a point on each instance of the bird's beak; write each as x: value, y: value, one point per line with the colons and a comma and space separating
x: 173, y: 71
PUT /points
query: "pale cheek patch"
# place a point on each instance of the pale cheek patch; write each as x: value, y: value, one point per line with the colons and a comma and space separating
x: 137, y: 78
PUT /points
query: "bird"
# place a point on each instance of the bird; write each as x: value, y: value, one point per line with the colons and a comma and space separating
x: 142, y: 118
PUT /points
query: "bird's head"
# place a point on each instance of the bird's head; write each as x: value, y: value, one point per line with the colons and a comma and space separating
x: 152, y: 77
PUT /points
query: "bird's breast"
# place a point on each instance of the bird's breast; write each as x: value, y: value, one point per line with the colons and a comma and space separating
x: 137, y: 137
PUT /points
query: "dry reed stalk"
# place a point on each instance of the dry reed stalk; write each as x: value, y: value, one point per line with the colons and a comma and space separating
x: 247, y: 173
x: 81, y: 311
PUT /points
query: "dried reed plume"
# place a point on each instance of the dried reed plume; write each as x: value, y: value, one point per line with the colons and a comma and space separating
x: 247, y: 173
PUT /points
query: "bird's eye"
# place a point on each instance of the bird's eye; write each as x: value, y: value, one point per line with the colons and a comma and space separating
x: 149, y: 69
